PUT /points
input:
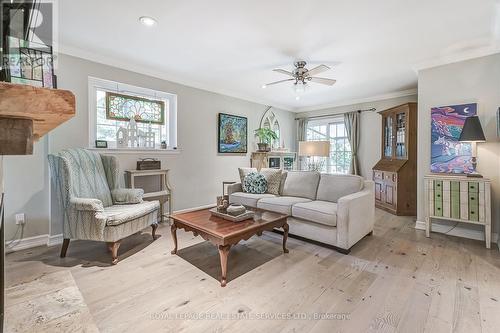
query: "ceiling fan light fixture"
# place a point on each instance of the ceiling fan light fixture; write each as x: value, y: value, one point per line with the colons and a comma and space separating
x: 300, y: 87
x: 148, y: 21
x: 264, y: 86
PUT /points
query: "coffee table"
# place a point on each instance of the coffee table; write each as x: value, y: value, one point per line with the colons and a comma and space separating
x: 224, y: 234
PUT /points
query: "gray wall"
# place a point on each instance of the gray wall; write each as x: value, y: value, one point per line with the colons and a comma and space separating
x: 371, y: 128
x: 469, y: 81
x: 196, y: 173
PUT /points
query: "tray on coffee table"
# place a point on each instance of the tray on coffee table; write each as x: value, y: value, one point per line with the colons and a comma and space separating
x: 238, y: 218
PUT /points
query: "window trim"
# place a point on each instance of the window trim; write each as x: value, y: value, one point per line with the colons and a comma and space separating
x: 171, y: 117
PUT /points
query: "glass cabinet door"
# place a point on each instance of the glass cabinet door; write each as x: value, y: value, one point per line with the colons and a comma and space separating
x: 388, y: 136
x: 401, y: 135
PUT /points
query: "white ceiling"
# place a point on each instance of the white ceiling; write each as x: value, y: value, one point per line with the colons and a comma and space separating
x: 230, y: 46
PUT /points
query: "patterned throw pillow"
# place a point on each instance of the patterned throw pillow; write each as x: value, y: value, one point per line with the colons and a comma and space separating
x: 255, y: 183
x: 243, y: 172
x: 273, y: 177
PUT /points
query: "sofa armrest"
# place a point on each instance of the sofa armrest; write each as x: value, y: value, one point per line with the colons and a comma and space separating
x: 355, y: 216
x: 86, y: 204
x: 233, y: 188
x: 124, y: 196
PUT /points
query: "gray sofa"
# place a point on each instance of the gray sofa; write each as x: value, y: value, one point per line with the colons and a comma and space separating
x: 333, y: 209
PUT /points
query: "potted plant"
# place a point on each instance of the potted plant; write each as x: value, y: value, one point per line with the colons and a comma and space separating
x: 265, y: 135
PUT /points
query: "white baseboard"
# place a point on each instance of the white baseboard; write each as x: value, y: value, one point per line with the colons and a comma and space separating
x: 30, y: 242
x: 25, y: 243
x: 459, y: 231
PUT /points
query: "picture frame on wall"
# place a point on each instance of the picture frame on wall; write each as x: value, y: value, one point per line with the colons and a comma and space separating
x: 232, y: 135
x: 448, y: 154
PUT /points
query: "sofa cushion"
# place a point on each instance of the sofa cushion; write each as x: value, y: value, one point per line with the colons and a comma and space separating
x: 243, y: 172
x: 280, y: 204
x: 323, y: 212
x: 333, y: 187
x: 118, y: 214
x: 248, y: 199
x: 255, y: 183
x: 273, y: 177
x: 302, y: 184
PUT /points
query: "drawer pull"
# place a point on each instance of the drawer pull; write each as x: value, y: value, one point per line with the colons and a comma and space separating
x: 439, y: 195
x: 439, y: 208
x: 471, y: 199
x: 472, y: 213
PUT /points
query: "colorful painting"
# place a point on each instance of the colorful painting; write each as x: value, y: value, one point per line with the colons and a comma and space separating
x: 233, y: 132
x: 448, y: 155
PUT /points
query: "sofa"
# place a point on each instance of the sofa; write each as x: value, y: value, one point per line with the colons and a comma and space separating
x: 333, y: 209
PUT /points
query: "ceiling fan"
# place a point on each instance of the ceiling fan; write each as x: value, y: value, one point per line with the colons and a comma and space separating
x: 301, y: 75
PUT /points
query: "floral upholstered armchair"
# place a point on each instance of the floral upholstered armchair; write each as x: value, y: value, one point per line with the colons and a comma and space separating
x: 93, y: 206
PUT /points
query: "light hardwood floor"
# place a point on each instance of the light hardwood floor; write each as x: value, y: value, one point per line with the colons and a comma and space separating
x: 394, y: 281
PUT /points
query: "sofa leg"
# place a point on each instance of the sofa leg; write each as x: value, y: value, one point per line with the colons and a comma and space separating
x: 153, y: 230
x: 64, y: 247
x: 370, y: 233
x: 114, y: 252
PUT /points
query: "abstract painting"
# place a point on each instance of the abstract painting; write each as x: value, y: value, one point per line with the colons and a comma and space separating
x: 233, y: 132
x: 448, y: 155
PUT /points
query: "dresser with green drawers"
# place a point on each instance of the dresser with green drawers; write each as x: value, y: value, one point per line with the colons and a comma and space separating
x: 458, y: 198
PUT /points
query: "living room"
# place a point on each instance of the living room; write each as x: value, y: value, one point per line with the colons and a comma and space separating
x: 163, y: 170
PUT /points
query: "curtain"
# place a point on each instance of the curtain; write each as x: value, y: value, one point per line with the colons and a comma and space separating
x: 301, y: 136
x: 352, y: 123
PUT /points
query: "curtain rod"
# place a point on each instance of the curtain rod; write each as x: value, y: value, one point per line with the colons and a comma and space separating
x: 336, y: 114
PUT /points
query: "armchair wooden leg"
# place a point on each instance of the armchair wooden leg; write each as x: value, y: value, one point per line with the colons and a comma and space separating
x: 153, y: 231
x: 64, y: 247
x: 114, y: 252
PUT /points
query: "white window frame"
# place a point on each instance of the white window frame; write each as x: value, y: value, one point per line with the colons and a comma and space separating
x: 328, y: 122
x: 95, y: 84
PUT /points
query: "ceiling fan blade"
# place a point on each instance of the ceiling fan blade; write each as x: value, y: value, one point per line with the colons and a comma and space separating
x: 318, y: 69
x: 282, y: 71
x: 272, y: 83
x: 322, y: 80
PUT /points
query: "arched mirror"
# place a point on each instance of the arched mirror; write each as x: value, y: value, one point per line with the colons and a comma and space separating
x: 269, y: 120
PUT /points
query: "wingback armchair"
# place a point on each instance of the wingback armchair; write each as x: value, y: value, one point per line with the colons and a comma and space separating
x: 93, y: 205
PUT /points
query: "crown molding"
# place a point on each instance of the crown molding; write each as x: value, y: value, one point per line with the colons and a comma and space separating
x: 457, y: 57
x: 144, y: 70
x: 396, y: 94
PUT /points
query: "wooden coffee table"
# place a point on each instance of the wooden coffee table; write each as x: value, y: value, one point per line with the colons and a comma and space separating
x: 224, y: 234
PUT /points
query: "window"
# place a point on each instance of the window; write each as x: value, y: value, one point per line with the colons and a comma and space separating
x: 112, y: 105
x: 332, y: 130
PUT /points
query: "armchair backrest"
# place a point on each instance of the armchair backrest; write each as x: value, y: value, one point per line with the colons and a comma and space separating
x: 84, y: 174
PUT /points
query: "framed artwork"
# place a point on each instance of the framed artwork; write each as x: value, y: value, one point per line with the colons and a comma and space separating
x: 448, y: 155
x: 29, y: 63
x: 232, y: 134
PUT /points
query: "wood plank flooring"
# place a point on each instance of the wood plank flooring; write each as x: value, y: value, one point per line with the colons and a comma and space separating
x: 394, y: 281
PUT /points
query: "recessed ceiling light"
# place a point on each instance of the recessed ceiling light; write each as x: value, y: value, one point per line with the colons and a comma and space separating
x: 147, y: 21
x: 264, y: 86
x: 297, y: 98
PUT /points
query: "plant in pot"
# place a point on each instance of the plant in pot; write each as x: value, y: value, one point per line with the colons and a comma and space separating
x: 266, y: 136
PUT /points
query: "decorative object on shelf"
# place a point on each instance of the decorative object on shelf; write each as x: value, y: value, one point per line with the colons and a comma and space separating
x: 148, y: 137
x: 266, y: 137
x: 270, y: 120
x: 395, y: 174
x: 132, y: 134
x: 222, y: 203
x: 448, y: 154
x: 122, y: 138
x: 148, y: 164
x: 472, y: 132
x: 29, y: 63
x: 235, y: 210
x: 459, y: 199
x: 246, y: 215
x: 101, y: 144
x: 142, y: 110
x: 164, y: 145
x: 232, y: 134
x: 274, y: 159
x: 255, y: 183
x: 314, y: 149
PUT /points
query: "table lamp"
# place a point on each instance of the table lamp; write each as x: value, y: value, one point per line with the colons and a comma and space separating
x: 313, y: 149
x: 472, y: 132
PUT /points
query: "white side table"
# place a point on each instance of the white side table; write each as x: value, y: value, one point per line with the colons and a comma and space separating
x: 164, y: 195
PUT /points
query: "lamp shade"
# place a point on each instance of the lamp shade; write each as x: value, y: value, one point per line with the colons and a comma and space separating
x: 472, y: 130
x: 314, y: 148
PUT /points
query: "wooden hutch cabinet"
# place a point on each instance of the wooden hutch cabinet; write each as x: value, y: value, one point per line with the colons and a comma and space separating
x: 395, y: 175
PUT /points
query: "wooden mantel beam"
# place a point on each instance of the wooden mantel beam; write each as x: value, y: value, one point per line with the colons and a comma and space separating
x: 27, y: 113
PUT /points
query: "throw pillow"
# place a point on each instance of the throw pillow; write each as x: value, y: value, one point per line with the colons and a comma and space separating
x: 273, y: 177
x: 255, y: 183
x: 243, y: 172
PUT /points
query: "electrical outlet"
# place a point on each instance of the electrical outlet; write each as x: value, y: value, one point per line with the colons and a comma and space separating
x: 20, y: 219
